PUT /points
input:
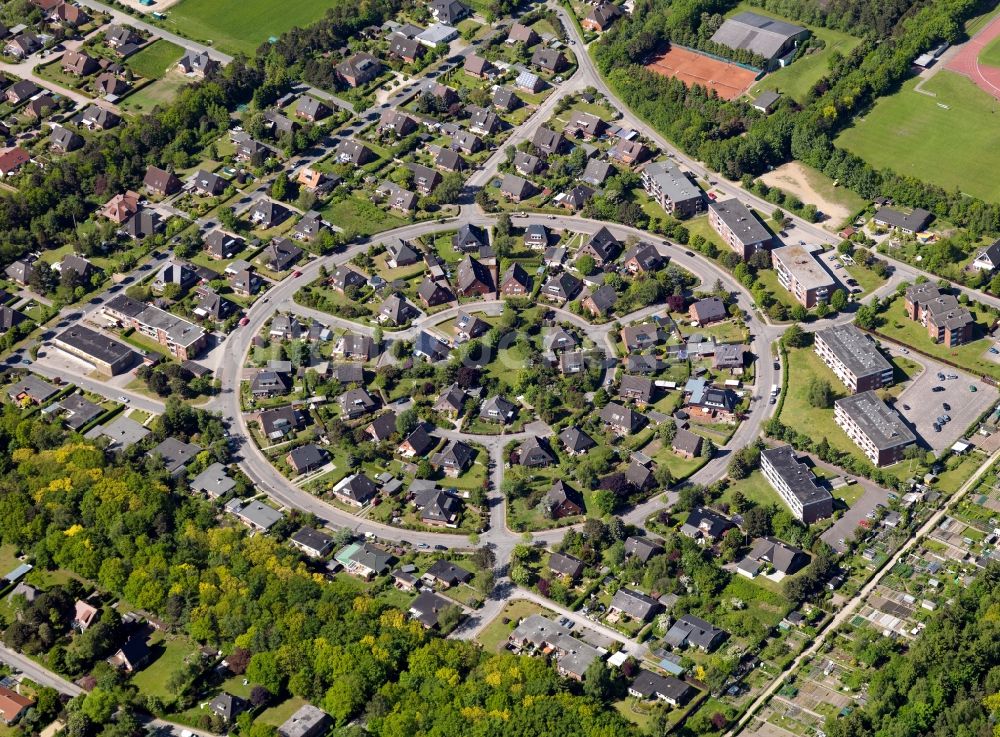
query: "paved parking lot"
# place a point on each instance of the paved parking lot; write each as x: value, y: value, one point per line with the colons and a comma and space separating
x: 921, y: 405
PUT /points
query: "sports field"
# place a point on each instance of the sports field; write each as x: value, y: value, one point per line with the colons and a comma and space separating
x: 241, y: 26
x: 729, y: 80
x: 951, y: 139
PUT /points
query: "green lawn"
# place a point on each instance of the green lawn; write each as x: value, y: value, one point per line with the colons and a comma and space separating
x: 361, y: 215
x: 951, y: 139
x: 803, y: 365
x: 867, y: 279
x: 160, y: 92
x: 755, y: 488
x: 990, y: 55
x: 153, y: 61
x: 169, y: 657
x: 897, y: 326
x: 244, y: 28
x: 798, y: 78
x: 278, y: 715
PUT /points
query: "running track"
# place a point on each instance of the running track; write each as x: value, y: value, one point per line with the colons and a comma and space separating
x: 966, y: 61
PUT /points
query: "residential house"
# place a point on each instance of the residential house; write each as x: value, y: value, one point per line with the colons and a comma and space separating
x: 601, y: 16
x: 451, y: 401
x: 576, y: 441
x: 633, y: 604
x: 694, y: 631
x: 280, y: 255
x: 472, y: 278
x: 454, y: 459
x: 121, y: 207
x: 79, y: 64
x: 479, y: 67
x: 566, y: 565
x: 311, y: 109
x: 359, y: 69
x: 161, y: 182
x: 356, y: 490
x: 643, y: 548
x: 498, y: 409
x: 686, y: 443
x: 562, y: 500
x: 601, y: 301
x: 708, y: 310
x: 515, y: 282
x: 197, y: 64
x: 642, y: 259
x: 535, y: 452
x: 425, y: 179
x: 602, y: 246
x: 356, y: 403
x: 561, y: 287
x: 208, y: 184
x: 547, y: 141
x: 548, y: 60
x: 266, y: 213
x: 621, y: 419
x: 523, y: 34
x: 306, y: 458
x: 63, y: 140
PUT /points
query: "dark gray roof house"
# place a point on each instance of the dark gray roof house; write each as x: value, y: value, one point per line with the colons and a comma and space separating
x: 176, y: 454
x: 535, y: 452
x: 643, y: 548
x: 576, y: 440
x: 566, y: 565
x: 635, y: 604
x: 695, y: 631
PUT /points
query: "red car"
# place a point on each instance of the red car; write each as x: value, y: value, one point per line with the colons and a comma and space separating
x: 244, y: 321
x: 296, y: 274
x: 711, y: 195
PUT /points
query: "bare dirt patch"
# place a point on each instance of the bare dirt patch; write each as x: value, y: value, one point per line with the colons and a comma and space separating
x: 794, y: 178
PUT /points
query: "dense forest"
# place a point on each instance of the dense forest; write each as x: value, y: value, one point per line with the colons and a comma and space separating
x: 130, y: 528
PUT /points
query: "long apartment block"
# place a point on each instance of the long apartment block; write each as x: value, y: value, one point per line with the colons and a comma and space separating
x: 853, y: 356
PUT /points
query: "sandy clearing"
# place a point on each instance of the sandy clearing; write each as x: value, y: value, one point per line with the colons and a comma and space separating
x: 793, y: 179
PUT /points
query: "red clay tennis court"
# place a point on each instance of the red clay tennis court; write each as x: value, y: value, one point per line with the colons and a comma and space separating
x: 729, y: 80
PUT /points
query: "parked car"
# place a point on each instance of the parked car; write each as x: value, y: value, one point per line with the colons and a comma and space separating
x: 972, y: 388
x: 940, y: 388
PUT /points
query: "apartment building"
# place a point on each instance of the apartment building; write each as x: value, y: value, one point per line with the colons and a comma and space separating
x: 795, y: 484
x: 672, y: 189
x: 739, y: 227
x: 946, y: 320
x: 802, y: 275
x: 875, y: 428
x: 853, y: 356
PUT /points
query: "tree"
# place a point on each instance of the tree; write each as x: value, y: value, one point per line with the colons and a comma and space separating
x: 757, y: 522
x: 520, y: 575
x: 819, y: 393
x: 586, y: 265
x: 279, y: 189
x: 484, y: 558
x: 838, y: 300
x: 598, y: 682
x: 406, y: 421
x: 795, y: 337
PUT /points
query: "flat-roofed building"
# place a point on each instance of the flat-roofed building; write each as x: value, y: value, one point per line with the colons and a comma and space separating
x: 795, y: 483
x: 853, y: 356
x: 672, y: 189
x: 739, y: 227
x: 876, y: 429
x: 106, y: 353
x: 802, y: 275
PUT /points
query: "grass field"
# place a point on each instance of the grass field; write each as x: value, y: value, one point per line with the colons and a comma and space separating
x: 233, y: 29
x: 798, y: 78
x: 160, y: 92
x: 154, y: 60
x: 168, y: 657
x: 815, y: 422
x: 955, y: 148
x: 990, y: 55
